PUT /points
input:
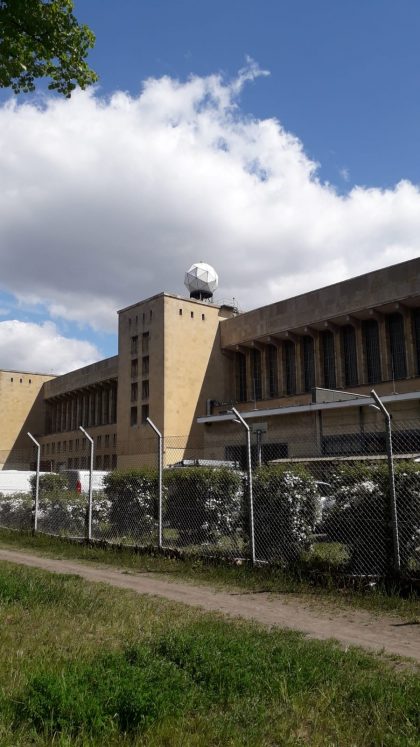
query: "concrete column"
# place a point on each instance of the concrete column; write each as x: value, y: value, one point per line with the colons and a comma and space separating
x: 360, y: 349
x: 384, y: 350
x: 104, y: 405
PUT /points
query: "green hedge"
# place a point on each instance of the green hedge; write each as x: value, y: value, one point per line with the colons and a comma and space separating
x: 203, y: 504
x: 133, y: 494
x: 286, y: 508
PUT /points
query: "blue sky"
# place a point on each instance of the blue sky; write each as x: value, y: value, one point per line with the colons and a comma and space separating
x: 110, y: 197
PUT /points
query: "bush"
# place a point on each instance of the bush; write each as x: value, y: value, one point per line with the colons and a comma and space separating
x: 361, y: 516
x: 16, y: 511
x: 203, y: 503
x: 132, y: 496
x: 286, y: 508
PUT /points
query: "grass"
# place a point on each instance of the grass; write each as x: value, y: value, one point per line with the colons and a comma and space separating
x: 241, y: 578
x: 85, y: 664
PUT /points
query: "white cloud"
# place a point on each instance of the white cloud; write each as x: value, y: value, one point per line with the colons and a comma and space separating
x: 106, y: 201
x: 25, y: 346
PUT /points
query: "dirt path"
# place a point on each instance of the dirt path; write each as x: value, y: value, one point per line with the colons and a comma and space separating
x: 349, y: 627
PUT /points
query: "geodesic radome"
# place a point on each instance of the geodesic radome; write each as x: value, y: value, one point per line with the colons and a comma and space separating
x: 201, y: 278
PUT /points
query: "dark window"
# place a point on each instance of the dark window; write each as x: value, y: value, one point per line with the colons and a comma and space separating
x: 272, y: 371
x: 145, y: 365
x: 256, y: 374
x: 192, y: 314
x: 416, y: 326
x: 203, y: 317
x: 145, y: 343
x: 180, y: 312
x: 134, y: 392
x: 98, y: 442
x: 397, y: 346
x: 328, y: 359
x: 107, y: 460
x: 371, y: 342
x: 240, y: 362
x: 114, y: 461
x: 308, y: 363
x: 134, y: 368
x: 145, y: 389
x: 290, y: 367
x: 349, y: 354
x: 133, y: 416
x: 134, y: 345
x: 98, y: 462
x: 107, y: 441
x: 144, y: 413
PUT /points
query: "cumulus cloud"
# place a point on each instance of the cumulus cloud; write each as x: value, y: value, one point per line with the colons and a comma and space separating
x: 25, y: 346
x: 104, y: 201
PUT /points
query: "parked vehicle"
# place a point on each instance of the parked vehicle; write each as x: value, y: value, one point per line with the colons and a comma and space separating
x: 16, y: 481
x: 78, y: 479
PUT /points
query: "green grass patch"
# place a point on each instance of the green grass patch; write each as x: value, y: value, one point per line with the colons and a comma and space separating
x: 235, y: 577
x: 86, y: 664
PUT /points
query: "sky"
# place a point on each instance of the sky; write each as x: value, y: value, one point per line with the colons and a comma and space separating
x: 277, y: 141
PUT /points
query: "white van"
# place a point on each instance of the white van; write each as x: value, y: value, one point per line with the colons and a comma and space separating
x: 78, y: 479
x: 16, y: 481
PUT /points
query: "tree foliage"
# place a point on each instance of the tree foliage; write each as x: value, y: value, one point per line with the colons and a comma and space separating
x: 43, y: 39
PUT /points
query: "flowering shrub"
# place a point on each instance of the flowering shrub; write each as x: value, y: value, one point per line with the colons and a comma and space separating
x: 360, y: 516
x: 286, y: 508
x: 16, y: 511
x: 132, y: 496
x: 203, y: 503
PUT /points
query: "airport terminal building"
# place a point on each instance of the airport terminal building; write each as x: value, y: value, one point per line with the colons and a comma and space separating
x: 184, y: 362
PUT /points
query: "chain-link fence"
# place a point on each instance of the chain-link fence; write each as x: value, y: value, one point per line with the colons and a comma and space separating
x: 329, y: 501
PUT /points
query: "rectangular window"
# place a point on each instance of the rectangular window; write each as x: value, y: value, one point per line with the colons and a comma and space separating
x: 134, y: 368
x: 114, y: 461
x: 114, y: 439
x: 272, y: 371
x: 145, y: 389
x: 134, y: 391
x: 77, y: 442
x: 397, y: 346
x: 134, y: 345
x: 240, y: 362
x: 70, y: 445
x: 308, y: 363
x: 256, y: 374
x: 290, y: 367
x: 107, y: 460
x: 48, y: 448
x: 145, y: 343
x: 416, y: 330
x: 52, y: 448
x: 144, y: 413
x: 98, y: 462
x: 348, y: 336
x: 58, y: 447
x: 372, y: 350
x: 107, y: 441
x: 98, y: 442
x: 64, y: 446
x: 145, y: 366
x: 133, y: 416
x: 83, y: 443
x: 328, y: 359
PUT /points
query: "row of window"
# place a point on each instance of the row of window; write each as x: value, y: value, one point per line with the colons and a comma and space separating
x: 89, y: 409
x: 61, y: 447
x: 107, y: 461
x: 20, y: 380
x: 305, y: 348
x: 147, y: 317
x: 203, y: 316
x: 134, y: 414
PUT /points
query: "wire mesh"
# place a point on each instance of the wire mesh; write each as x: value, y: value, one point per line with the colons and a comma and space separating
x: 322, y: 498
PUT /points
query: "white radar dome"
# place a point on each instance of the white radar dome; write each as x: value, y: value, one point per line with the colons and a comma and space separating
x: 201, y: 280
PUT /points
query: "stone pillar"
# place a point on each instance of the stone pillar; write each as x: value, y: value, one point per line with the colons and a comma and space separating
x: 410, y: 347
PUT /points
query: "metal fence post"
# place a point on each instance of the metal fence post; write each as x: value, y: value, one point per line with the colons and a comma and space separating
x: 36, y: 501
x: 160, y: 479
x: 89, y: 516
x: 393, y: 500
x: 239, y: 419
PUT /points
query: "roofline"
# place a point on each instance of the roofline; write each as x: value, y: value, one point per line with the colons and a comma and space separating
x: 164, y: 294
x: 28, y: 373
x: 328, y: 287
x: 363, y: 401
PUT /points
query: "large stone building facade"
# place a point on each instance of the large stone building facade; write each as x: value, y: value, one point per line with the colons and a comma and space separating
x: 184, y: 363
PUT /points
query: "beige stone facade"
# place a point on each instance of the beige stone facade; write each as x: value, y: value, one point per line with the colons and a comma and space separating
x: 22, y: 409
x: 184, y: 363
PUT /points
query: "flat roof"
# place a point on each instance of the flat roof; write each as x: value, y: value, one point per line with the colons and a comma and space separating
x: 175, y: 296
x: 362, y: 401
x: 27, y: 373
